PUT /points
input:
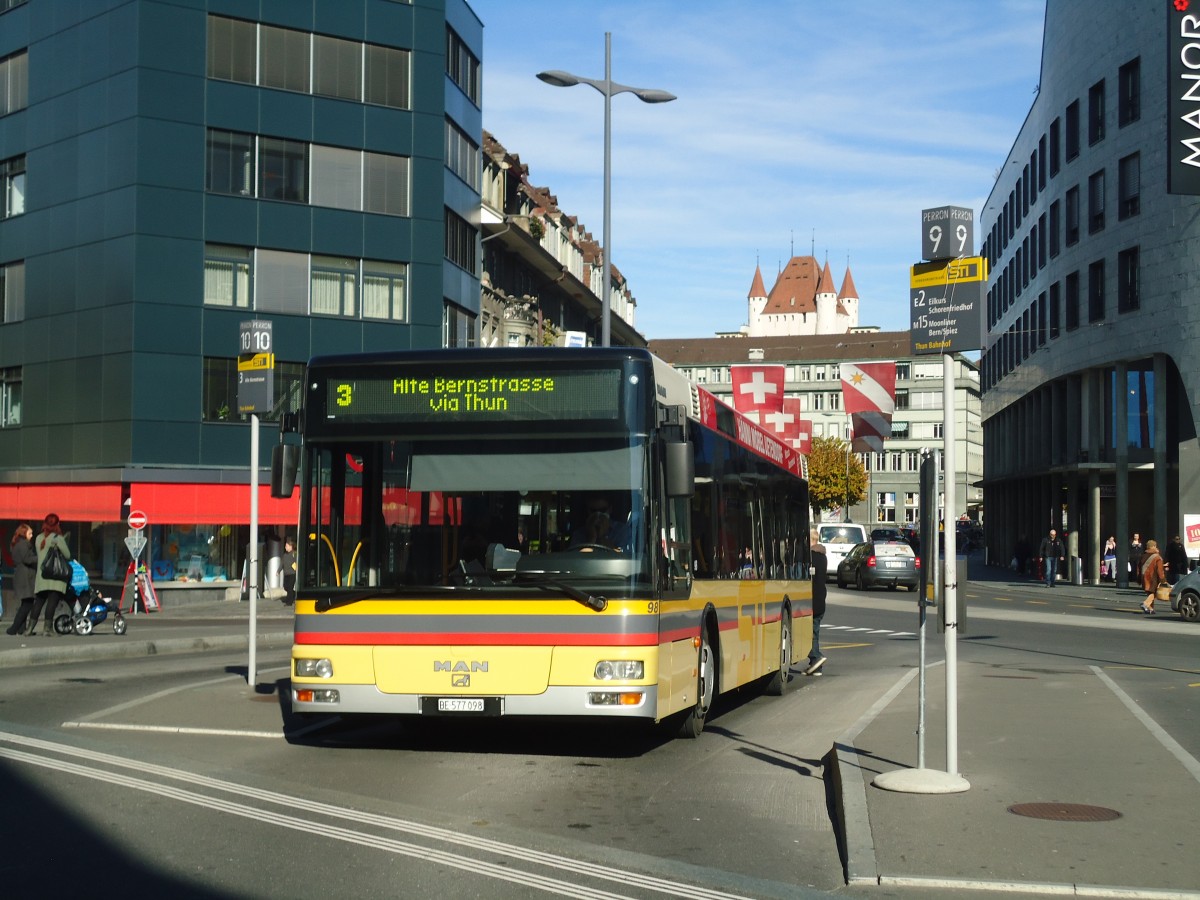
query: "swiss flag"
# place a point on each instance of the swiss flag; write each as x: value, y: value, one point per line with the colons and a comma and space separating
x: 757, y: 391
x: 791, y: 428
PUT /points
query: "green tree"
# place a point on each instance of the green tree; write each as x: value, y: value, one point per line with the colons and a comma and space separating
x: 827, y: 464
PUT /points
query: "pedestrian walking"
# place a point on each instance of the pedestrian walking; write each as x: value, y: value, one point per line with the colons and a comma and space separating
x: 1176, y: 560
x: 24, y: 559
x: 49, y: 591
x: 819, y: 566
x: 1108, y: 562
x: 1135, y: 557
x: 1153, y: 573
x: 1052, y: 552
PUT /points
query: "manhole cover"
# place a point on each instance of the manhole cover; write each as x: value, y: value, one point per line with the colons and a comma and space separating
x: 1065, y: 812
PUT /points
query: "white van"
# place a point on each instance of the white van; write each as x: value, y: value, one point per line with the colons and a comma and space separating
x: 839, y: 539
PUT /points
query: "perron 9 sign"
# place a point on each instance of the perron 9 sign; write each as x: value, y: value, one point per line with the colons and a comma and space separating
x: 1183, y: 98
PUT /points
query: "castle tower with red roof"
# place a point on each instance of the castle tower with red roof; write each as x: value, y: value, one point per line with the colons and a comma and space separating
x: 802, y: 301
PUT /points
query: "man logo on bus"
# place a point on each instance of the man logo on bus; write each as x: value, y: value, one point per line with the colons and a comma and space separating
x: 460, y: 665
x: 460, y: 681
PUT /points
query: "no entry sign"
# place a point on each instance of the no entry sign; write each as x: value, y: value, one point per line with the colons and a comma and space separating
x: 137, y: 520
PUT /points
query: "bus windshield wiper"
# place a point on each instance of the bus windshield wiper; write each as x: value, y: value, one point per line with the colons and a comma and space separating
x: 545, y: 582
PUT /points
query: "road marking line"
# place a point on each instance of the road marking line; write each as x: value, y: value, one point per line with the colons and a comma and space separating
x: 1172, y: 746
x: 174, y: 729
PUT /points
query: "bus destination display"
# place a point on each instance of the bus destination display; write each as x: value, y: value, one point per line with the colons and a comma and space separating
x: 475, y: 396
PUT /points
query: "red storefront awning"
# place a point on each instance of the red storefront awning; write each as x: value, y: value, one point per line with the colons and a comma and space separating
x: 71, y: 502
x: 163, y: 504
x: 211, y: 504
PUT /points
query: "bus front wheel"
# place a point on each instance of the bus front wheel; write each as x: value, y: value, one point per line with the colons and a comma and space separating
x: 706, y: 689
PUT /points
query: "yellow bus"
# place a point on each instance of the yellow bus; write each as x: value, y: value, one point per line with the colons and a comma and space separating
x: 538, y: 532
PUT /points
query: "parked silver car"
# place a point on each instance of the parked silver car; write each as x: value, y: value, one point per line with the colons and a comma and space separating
x: 1185, y: 596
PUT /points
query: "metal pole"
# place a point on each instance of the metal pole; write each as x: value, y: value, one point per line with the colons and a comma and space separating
x: 849, y: 442
x: 605, y: 308
x: 950, y: 594
x: 252, y: 563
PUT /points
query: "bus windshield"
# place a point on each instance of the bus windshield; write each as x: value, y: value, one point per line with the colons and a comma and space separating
x: 389, y: 515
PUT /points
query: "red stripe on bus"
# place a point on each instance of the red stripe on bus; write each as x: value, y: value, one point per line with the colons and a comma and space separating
x: 506, y: 640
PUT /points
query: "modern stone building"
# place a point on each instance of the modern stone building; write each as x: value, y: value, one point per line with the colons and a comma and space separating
x: 1090, y: 377
x: 172, y: 169
x: 813, y: 374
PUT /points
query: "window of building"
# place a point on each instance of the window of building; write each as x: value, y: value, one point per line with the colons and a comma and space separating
x: 386, y: 184
x: 1129, y: 101
x: 1072, y: 135
x: 1055, y: 146
x: 1055, y: 301
x: 818, y: 402
x: 282, y: 170
x: 337, y: 67
x: 12, y: 292
x: 899, y: 430
x: 14, y: 83
x: 220, y: 390
x: 12, y: 182
x: 1128, y: 293
x: 232, y: 50
x: 462, y: 66
x: 1096, y: 202
x: 1041, y: 161
x: 284, y: 58
x: 901, y: 397
x: 281, y: 282
x: 334, y: 286
x: 10, y: 397
x: 228, y: 276
x: 384, y: 294
x: 1055, y: 226
x: 337, y: 177
x: 462, y: 155
x: 1072, y: 223
x: 1096, y: 113
x: 1096, y: 291
x: 835, y: 401
x: 461, y: 242
x: 1129, y: 186
x: 902, y: 371
x: 939, y: 431
x: 229, y: 167
x: 458, y: 326
x: 818, y: 373
x: 387, y: 76
x: 1071, y: 301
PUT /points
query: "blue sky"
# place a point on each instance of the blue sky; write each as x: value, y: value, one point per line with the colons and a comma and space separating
x: 799, y: 125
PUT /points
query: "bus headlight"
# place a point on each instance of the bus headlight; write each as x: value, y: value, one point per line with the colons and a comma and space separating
x: 314, y: 668
x: 620, y: 670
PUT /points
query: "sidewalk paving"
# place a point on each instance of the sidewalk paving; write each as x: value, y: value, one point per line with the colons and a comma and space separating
x: 1105, y: 799
x: 186, y: 628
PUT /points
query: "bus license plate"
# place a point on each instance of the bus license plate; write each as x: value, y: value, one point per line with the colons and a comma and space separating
x: 460, y: 704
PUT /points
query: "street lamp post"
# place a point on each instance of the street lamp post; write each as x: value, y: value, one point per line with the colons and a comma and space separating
x: 608, y: 88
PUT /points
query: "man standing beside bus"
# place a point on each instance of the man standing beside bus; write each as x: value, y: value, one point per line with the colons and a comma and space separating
x: 819, y: 569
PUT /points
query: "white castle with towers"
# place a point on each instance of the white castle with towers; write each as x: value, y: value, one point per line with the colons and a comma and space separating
x: 802, y: 301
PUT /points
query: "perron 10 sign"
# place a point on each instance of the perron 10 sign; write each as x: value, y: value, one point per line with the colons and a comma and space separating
x: 1183, y: 99
x: 947, y: 305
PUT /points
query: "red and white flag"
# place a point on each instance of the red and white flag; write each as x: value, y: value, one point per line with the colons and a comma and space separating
x: 791, y: 427
x: 757, y: 390
x: 869, y: 396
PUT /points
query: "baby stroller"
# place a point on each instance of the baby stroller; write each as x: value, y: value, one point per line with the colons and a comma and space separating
x: 88, y: 607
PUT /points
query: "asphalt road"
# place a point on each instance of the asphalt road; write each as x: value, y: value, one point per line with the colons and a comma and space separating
x: 172, y: 774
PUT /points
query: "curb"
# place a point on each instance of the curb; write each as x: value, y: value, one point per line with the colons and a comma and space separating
x: 126, y: 649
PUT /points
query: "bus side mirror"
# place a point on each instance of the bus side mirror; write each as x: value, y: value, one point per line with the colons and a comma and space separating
x: 681, y: 469
x: 285, y: 460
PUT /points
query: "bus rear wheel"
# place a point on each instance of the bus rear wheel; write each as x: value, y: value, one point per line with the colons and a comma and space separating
x: 778, y: 684
x: 706, y: 689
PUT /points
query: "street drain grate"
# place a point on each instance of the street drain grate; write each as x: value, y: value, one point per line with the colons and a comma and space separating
x: 1065, y: 812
